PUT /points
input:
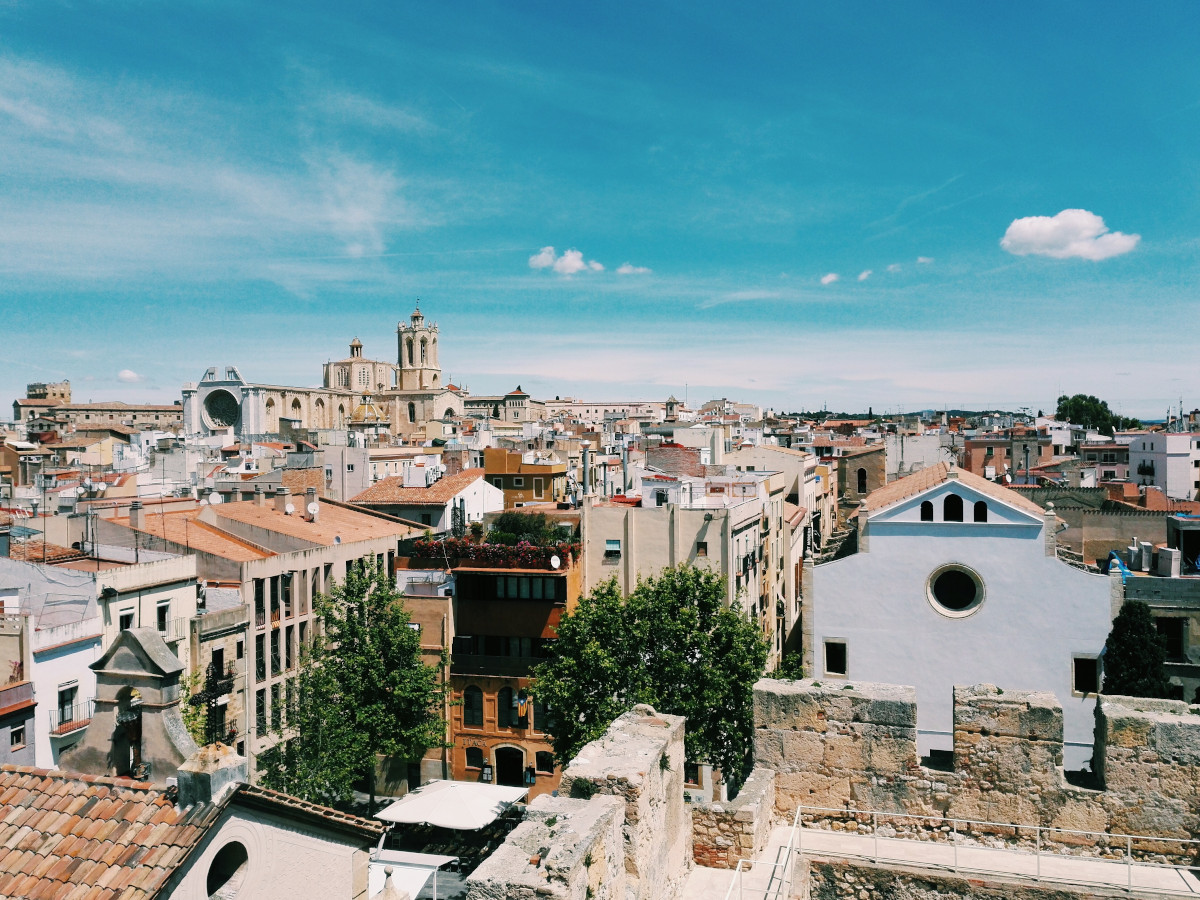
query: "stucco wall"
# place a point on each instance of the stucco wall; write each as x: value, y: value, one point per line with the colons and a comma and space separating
x: 286, y: 861
x: 1036, y: 614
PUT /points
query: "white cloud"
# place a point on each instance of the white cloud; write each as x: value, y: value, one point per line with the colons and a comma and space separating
x: 924, y: 260
x: 864, y: 274
x: 628, y: 269
x: 570, y: 263
x: 1071, y: 233
x: 894, y: 267
x: 830, y: 278
x: 128, y: 376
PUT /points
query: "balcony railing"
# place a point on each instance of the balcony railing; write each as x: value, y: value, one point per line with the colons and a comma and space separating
x: 71, y: 718
x: 507, y: 666
x: 174, y: 629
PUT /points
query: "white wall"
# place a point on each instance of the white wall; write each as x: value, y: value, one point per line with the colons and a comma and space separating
x: 65, y: 653
x: 286, y: 861
x: 1037, y: 612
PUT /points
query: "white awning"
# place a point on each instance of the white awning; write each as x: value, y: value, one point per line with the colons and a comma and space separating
x: 462, y: 805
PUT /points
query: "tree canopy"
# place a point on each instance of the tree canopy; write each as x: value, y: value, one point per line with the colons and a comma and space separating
x: 537, y: 528
x: 1091, y: 412
x: 673, y: 643
x: 1134, y: 655
x: 363, y: 690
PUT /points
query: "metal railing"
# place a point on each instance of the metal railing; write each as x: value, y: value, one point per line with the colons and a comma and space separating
x: 69, y: 718
x: 1030, y: 849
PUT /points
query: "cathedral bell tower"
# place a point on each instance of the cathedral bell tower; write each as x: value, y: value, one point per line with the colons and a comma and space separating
x: 418, y: 353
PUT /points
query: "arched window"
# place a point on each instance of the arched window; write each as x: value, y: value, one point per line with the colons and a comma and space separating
x: 319, y: 413
x: 474, y: 757
x: 410, y: 351
x: 227, y: 870
x: 341, y: 417
x: 980, y: 511
x: 473, y: 707
x: 424, y: 351
x: 505, y: 713
x: 448, y: 414
x: 296, y: 409
x: 927, y: 511
x: 862, y: 481
x: 271, y: 422
x: 952, y: 508
x: 412, y: 412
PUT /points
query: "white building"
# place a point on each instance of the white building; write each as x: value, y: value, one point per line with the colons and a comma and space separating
x: 1170, y: 460
x: 956, y: 581
x: 411, y: 498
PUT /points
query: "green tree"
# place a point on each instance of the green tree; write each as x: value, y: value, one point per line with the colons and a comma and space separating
x: 363, y: 689
x: 1091, y: 412
x: 1134, y: 655
x: 536, y: 528
x: 673, y: 643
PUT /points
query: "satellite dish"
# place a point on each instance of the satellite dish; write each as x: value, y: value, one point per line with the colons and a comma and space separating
x: 289, y: 509
x: 101, y: 487
x: 555, y: 562
x: 214, y: 498
x: 204, y: 501
x: 313, y: 509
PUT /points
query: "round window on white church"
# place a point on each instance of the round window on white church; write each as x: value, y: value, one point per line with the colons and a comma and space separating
x: 955, y: 591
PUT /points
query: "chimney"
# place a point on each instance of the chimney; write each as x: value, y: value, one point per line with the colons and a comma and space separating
x: 311, y: 503
x: 208, y: 773
x: 260, y: 497
x: 137, y: 516
x: 283, y: 498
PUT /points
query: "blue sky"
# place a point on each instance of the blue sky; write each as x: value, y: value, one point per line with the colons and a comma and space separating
x: 194, y: 184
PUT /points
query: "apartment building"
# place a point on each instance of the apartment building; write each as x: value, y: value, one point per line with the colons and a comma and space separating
x: 1169, y: 460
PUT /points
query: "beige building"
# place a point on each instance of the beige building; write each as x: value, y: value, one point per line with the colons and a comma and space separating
x: 278, y: 554
x: 740, y: 526
x: 401, y: 396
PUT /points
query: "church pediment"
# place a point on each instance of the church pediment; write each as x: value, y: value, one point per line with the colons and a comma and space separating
x: 956, y: 501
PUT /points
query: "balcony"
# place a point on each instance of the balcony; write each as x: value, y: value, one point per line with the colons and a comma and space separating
x: 505, y: 666
x: 69, y: 719
x: 173, y: 629
x: 1146, y: 468
x: 16, y: 694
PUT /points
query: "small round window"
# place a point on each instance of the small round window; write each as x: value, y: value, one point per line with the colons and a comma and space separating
x: 955, y: 591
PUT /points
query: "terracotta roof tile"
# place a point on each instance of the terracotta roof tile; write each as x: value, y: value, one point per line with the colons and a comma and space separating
x: 77, y: 836
x: 392, y: 492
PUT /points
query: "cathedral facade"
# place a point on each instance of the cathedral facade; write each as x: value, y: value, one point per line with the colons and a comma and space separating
x: 404, y: 395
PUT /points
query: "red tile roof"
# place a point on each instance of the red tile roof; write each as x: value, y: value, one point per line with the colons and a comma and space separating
x: 67, y: 836
x: 392, y: 492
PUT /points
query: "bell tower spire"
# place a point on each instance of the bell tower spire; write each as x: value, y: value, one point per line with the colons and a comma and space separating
x: 417, y: 346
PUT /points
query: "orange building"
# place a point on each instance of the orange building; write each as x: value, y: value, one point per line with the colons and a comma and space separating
x: 529, y: 477
x: 505, y: 611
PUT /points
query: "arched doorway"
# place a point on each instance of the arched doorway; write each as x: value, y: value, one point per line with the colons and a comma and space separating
x: 862, y: 481
x: 510, y: 766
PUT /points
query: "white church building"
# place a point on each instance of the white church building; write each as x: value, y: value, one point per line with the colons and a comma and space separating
x: 956, y: 581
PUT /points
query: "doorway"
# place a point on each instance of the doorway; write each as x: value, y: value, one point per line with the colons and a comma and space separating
x: 510, y: 766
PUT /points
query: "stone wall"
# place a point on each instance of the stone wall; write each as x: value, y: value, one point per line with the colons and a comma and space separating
x: 726, y: 832
x: 851, y: 747
x: 565, y: 849
x: 849, y: 880
x: 640, y: 760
